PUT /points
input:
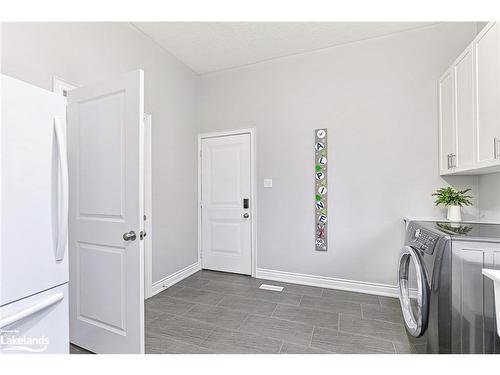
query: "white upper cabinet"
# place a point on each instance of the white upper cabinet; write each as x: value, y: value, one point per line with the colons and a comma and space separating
x: 469, y: 108
x: 446, y: 123
x: 486, y: 48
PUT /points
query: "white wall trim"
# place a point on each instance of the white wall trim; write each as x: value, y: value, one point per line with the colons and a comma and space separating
x: 62, y: 86
x: 329, y: 282
x: 175, y: 278
x: 253, y: 182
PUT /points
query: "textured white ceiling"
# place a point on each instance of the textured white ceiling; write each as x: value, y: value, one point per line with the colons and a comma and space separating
x: 212, y: 46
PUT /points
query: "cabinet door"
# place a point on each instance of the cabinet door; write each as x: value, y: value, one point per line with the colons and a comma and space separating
x: 463, y: 71
x: 473, y: 325
x: 488, y: 97
x: 446, y: 123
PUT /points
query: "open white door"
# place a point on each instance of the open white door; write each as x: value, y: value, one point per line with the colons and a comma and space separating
x: 105, y: 150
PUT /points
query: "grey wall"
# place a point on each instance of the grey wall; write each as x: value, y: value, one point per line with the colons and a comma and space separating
x: 89, y: 52
x: 378, y: 98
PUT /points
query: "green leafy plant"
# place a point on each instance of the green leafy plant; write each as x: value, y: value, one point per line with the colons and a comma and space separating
x: 450, y: 197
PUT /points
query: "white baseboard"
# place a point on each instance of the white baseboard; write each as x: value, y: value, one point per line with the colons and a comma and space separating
x: 175, y: 278
x: 329, y: 282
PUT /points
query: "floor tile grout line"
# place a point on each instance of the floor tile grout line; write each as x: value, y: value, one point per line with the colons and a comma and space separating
x: 275, y: 338
x: 221, y: 306
x: 370, y: 337
x: 394, y: 346
x: 281, y: 346
x: 261, y: 314
x: 275, y: 308
x: 312, y: 335
x: 212, y: 326
x: 264, y: 315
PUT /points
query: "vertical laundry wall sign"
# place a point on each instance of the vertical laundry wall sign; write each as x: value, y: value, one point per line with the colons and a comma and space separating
x: 321, y: 189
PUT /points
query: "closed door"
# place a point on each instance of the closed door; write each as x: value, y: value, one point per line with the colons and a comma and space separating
x: 464, y: 110
x: 446, y: 123
x: 488, y: 96
x: 105, y: 141
x: 225, y: 204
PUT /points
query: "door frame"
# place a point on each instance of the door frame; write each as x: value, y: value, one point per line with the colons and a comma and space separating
x: 148, y: 208
x: 253, y: 188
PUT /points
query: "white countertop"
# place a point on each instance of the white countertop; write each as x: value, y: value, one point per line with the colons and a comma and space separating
x: 444, y: 220
x: 495, y: 276
x: 492, y: 274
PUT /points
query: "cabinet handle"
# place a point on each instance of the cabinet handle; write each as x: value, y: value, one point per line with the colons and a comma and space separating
x: 450, y: 161
x: 496, y: 144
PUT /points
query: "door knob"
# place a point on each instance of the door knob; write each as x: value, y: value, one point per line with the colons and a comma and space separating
x: 246, y: 216
x: 130, y: 236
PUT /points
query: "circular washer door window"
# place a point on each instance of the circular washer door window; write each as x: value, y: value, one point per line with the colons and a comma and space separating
x: 413, y: 291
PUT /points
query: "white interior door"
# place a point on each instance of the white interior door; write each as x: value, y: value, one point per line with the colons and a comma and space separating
x: 226, y: 223
x: 105, y: 149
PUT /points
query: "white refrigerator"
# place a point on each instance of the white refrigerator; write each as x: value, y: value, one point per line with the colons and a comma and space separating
x: 33, y: 220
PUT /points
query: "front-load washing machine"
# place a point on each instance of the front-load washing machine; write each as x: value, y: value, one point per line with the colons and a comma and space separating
x: 445, y: 300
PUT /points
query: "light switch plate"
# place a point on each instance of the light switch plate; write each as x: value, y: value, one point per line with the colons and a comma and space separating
x: 268, y: 183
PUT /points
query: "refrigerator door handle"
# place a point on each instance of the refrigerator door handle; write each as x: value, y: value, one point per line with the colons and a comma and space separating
x: 62, y: 233
x: 31, y: 310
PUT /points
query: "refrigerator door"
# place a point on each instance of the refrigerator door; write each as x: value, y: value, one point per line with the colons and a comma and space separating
x: 33, y: 187
x: 37, y: 324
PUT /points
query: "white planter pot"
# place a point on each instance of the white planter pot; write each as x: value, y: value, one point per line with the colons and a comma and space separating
x: 454, y: 213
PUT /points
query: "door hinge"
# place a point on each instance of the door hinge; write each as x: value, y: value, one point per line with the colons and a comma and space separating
x: 145, y: 217
x: 142, y: 234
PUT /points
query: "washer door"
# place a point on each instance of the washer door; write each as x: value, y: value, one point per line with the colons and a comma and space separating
x: 413, y: 291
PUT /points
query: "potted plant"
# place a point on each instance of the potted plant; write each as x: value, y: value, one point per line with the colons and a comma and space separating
x: 453, y: 199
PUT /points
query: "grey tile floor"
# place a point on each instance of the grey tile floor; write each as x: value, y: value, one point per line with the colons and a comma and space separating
x: 215, y: 312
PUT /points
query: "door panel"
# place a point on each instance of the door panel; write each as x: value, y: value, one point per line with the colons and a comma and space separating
x: 446, y: 122
x: 473, y: 320
x: 101, y: 154
x: 226, y: 233
x: 464, y: 90
x: 105, y: 136
x: 488, y: 96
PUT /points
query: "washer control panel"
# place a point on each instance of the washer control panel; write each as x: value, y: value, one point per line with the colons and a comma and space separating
x: 422, y: 240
